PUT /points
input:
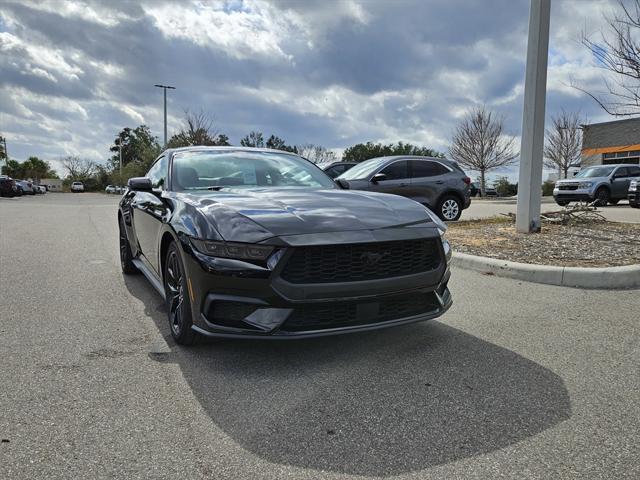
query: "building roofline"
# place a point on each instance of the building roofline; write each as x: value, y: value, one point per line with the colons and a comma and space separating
x: 611, y: 122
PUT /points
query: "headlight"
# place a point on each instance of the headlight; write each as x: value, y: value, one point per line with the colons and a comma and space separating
x: 442, y: 227
x: 585, y: 185
x: 633, y: 186
x: 241, y: 251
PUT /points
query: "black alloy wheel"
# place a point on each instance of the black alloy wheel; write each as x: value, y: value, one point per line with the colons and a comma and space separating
x: 177, y: 298
x: 602, y: 197
x: 126, y: 257
x: 562, y: 203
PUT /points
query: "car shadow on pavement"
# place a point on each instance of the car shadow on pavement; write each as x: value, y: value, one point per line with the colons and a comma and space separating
x: 378, y: 404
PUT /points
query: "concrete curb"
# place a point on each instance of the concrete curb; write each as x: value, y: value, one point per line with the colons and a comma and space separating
x: 611, y: 278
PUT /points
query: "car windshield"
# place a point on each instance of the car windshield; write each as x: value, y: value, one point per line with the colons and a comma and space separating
x: 362, y: 170
x: 202, y: 170
x: 595, y: 172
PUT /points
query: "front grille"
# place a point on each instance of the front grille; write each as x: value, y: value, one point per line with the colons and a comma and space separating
x: 349, y: 314
x: 567, y: 187
x: 361, y: 261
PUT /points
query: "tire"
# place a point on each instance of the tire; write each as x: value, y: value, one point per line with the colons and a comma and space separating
x: 177, y: 298
x: 602, y: 197
x: 634, y: 204
x: 613, y: 202
x: 126, y: 257
x: 563, y: 203
x: 449, y: 208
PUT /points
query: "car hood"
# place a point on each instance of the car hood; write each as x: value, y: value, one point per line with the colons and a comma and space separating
x: 257, y: 214
x: 576, y: 180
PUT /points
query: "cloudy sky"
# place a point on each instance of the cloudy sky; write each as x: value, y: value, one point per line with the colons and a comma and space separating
x: 335, y: 73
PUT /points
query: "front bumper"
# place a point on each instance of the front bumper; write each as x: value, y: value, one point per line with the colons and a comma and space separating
x: 235, y: 299
x: 634, y: 197
x: 578, y: 195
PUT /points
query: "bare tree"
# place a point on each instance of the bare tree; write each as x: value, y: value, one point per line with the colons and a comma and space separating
x: 618, y: 52
x: 316, y: 153
x: 479, y: 143
x: 198, y: 129
x: 562, y: 149
x: 78, y: 168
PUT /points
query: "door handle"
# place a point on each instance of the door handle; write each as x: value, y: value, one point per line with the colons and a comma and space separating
x: 439, y: 182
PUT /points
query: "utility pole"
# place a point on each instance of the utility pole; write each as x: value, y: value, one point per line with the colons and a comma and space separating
x: 165, y: 87
x: 535, y: 91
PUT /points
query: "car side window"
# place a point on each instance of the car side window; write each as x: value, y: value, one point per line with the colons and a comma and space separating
x: 396, y: 171
x: 158, y: 173
x: 634, y: 171
x: 426, y: 168
x: 622, y: 172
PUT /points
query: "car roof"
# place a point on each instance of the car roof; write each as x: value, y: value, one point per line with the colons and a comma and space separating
x: 613, y: 165
x: 204, y: 148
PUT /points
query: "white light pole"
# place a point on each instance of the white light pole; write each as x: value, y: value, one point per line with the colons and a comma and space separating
x: 535, y: 90
x: 164, y: 87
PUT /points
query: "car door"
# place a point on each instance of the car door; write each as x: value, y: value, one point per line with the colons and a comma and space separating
x: 150, y: 211
x: 428, y: 181
x: 396, y: 179
x: 620, y: 183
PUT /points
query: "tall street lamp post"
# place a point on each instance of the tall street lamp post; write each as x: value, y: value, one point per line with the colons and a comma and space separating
x: 165, y: 87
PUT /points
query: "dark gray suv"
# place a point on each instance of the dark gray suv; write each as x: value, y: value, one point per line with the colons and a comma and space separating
x: 439, y: 184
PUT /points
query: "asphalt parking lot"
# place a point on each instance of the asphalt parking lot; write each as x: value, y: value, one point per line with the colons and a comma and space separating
x: 517, y: 380
x: 484, y: 208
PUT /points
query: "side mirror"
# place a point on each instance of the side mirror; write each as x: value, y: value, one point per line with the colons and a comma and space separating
x: 378, y: 177
x: 139, y: 184
x: 342, y: 183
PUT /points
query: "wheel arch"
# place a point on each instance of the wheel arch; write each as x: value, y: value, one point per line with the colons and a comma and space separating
x: 452, y: 193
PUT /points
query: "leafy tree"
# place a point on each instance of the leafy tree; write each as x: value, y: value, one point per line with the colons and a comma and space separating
x: 13, y: 168
x: 197, y: 130
x: 223, y: 140
x: 504, y: 187
x: 279, y: 144
x: 364, y: 151
x: 3, y: 153
x: 563, y: 146
x: 138, y: 145
x: 316, y: 153
x: 479, y: 143
x: 253, y: 139
x: 33, y: 168
x: 36, y: 168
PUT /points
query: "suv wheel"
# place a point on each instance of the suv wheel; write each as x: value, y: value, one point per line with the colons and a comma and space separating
x: 602, y: 197
x: 449, y: 208
x: 177, y: 298
x: 126, y: 257
x: 562, y: 203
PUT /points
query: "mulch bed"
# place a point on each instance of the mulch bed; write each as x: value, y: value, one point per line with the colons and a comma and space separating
x: 596, y: 244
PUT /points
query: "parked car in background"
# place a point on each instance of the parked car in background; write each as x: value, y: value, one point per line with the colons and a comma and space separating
x: 336, y: 169
x: 601, y: 184
x: 110, y: 189
x: 25, y: 187
x: 41, y: 189
x: 77, y: 187
x: 7, y: 186
x: 257, y: 243
x: 634, y: 193
x: 439, y: 184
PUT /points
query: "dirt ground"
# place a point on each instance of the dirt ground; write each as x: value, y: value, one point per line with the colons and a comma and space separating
x: 597, y: 244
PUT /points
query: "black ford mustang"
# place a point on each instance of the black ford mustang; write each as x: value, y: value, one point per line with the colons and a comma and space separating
x: 248, y: 242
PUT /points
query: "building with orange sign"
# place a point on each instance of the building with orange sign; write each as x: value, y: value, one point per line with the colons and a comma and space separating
x: 611, y: 142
